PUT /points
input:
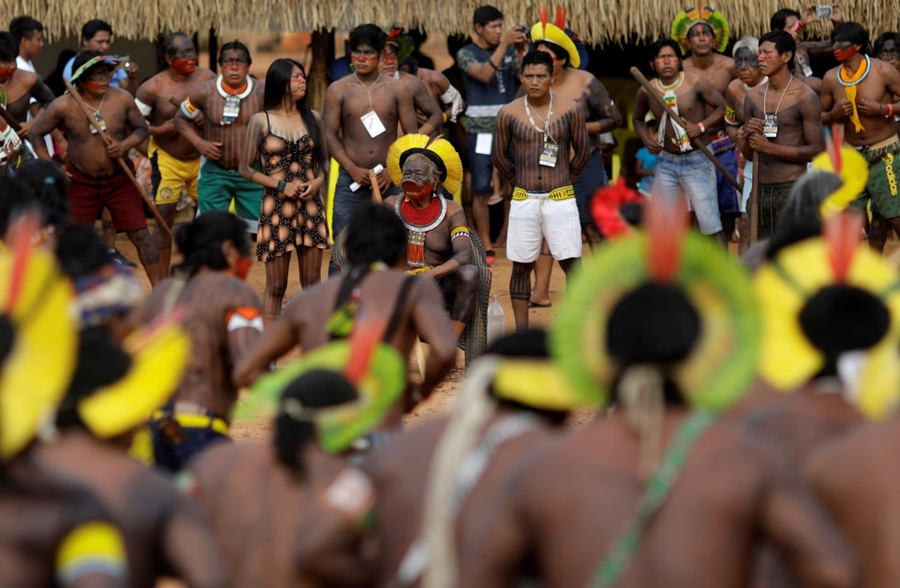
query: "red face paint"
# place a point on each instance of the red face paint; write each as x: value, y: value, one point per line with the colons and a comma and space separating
x: 416, y: 191
x: 94, y: 86
x: 242, y: 267
x: 6, y: 73
x: 843, y: 55
x: 184, y: 67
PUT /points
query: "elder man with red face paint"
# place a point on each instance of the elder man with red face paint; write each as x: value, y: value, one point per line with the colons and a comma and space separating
x: 175, y: 162
x: 860, y: 93
x: 97, y: 180
x: 223, y: 319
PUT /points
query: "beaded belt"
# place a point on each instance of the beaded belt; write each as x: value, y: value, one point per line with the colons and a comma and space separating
x: 564, y: 193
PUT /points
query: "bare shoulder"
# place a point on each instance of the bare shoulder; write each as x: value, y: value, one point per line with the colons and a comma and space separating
x: 29, y: 78
x: 734, y: 86
x: 453, y: 207
x: 119, y: 96
x: 202, y: 74
x: 390, y: 201
x: 828, y: 465
x: 565, y: 105
x: 512, y: 107
x: 724, y: 60
x: 211, y: 465
x: 831, y: 74
x: 259, y: 88
x: 393, y: 462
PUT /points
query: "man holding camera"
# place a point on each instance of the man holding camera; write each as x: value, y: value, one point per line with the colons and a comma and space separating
x: 490, y: 63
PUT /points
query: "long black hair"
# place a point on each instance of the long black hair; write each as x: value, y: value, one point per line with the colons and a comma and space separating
x: 278, y: 83
x: 200, y: 241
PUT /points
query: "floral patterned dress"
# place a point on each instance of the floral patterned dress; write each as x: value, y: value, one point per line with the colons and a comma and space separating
x: 288, y: 223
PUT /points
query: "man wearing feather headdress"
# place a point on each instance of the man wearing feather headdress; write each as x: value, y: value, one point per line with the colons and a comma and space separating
x: 397, y: 49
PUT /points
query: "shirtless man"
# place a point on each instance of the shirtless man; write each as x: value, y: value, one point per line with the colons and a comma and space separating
x: 298, y: 481
x: 862, y: 94
x: 165, y: 533
x: 784, y: 130
x: 175, y: 162
x: 791, y: 21
x: 746, y: 62
x: 516, y: 416
x: 887, y: 49
x: 855, y: 479
x: 720, y: 71
x: 427, y: 109
x: 227, y: 104
x: 224, y: 320
x: 636, y: 478
x: 547, y: 156
x: 378, y: 284
x: 682, y: 170
x: 361, y: 115
x: 97, y: 180
x: 451, y: 100
x: 54, y: 532
x: 23, y: 92
x: 441, y: 251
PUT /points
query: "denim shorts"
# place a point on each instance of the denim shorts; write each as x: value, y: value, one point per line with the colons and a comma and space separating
x: 480, y: 166
x: 694, y: 176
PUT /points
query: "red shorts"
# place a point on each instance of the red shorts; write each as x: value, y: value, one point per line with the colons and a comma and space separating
x: 116, y: 193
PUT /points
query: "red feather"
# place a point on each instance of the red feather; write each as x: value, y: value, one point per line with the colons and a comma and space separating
x: 665, y: 222
x: 606, y: 205
x: 842, y: 232
x: 561, y: 14
x: 395, y: 32
x: 544, y: 16
x: 366, y: 336
x: 21, y: 233
x: 837, y: 136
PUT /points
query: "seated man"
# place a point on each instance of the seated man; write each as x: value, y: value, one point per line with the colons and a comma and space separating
x: 438, y: 243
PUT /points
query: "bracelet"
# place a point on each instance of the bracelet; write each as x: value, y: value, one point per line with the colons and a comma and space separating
x: 890, y: 110
x: 446, y: 118
x: 281, y: 186
x: 702, y: 128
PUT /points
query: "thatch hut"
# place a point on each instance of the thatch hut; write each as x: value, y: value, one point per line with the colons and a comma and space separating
x: 596, y: 21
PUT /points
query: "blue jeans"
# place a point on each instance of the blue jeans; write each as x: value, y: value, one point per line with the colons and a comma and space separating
x: 591, y: 179
x: 175, y: 456
x: 480, y: 166
x: 694, y: 176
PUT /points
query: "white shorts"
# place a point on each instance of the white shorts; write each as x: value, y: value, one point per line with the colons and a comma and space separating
x: 538, y: 217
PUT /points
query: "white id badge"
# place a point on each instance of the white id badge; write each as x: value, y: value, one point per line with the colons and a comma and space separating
x: 232, y: 110
x: 770, y: 128
x: 373, y: 124
x: 483, y: 143
x: 549, y: 154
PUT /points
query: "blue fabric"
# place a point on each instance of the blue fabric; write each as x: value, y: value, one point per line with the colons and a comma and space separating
x: 120, y: 78
x: 480, y: 166
x: 693, y: 175
x: 499, y: 91
x: 648, y: 162
x: 728, y: 196
x: 175, y: 457
x: 592, y: 178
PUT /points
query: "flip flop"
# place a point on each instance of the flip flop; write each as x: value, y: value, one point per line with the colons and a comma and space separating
x: 539, y: 305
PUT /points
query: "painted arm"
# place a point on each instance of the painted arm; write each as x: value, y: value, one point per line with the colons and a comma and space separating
x: 280, y: 338
x: 431, y: 322
x: 602, y: 107
x: 184, y: 124
x: 712, y: 98
x: 499, y: 155
x: 47, y: 121
x: 462, y: 248
x: 425, y: 102
x: 581, y: 143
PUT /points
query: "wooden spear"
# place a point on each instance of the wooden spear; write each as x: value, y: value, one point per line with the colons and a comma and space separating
x: 102, y: 134
x: 655, y: 95
x: 753, y: 207
x: 376, y: 189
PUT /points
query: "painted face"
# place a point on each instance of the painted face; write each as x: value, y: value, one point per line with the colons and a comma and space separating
x: 364, y: 59
x: 298, y: 84
x: 491, y: 32
x: 747, y: 65
x: 418, y: 179
x: 844, y: 50
x: 101, y: 42
x: 701, y: 39
x: 770, y: 61
x: 7, y: 70
x: 666, y: 64
x: 388, y: 64
x: 891, y: 53
x: 557, y: 63
x: 235, y: 66
x: 184, y: 59
x: 536, y: 80
x: 97, y: 78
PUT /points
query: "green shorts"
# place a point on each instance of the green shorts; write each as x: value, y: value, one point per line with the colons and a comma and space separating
x: 218, y: 186
x: 883, y: 186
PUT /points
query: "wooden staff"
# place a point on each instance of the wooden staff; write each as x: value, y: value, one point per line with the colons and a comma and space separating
x: 654, y: 93
x: 376, y: 189
x: 754, y: 201
x: 150, y: 204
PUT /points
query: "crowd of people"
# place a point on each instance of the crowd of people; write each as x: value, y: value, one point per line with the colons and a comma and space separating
x: 750, y: 402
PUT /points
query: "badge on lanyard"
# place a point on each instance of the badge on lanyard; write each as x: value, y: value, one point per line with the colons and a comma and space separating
x: 232, y: 109
x: 549, y: 153
x: 770, y: 129
x: 373, y: 124
x: 99, y: 124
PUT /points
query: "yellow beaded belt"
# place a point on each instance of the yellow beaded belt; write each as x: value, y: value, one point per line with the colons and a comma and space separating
x: 564, y: 193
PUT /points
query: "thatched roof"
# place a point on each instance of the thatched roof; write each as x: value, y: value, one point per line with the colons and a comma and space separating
x: 596, y: 21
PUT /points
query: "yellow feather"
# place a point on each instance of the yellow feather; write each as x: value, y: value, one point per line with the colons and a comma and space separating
x: 854, y: 173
